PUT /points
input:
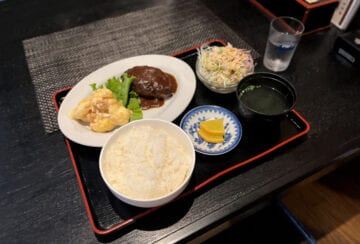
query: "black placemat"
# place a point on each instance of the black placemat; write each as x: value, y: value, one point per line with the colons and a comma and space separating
x: 63, y: 58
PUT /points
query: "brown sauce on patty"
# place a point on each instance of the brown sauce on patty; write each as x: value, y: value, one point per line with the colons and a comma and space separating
x: 152, y: 85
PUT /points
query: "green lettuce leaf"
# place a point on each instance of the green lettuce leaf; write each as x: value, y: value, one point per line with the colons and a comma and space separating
x: 135, y: 106
x: 120, y: 88
x: 94, y: 87
x: 122, y: 93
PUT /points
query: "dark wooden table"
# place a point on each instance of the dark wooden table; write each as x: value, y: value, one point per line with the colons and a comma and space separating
x: 40, y: 199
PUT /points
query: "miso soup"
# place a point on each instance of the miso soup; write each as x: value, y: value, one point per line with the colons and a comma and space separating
x: 264, y: 99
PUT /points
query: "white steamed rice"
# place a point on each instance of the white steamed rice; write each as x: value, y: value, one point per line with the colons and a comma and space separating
x: 146, y: 163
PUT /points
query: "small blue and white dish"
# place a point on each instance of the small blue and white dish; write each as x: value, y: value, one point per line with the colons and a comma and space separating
x: 233, y: 131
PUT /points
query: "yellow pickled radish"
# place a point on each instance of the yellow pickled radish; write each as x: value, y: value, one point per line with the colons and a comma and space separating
x: 214, y: 127
x: 212, y: 131
x: 209, y: 137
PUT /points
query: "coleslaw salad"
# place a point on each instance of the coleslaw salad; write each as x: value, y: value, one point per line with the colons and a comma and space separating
x: 223, y: 66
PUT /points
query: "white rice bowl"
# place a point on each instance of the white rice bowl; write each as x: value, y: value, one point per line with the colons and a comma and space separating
x: 147, y: 163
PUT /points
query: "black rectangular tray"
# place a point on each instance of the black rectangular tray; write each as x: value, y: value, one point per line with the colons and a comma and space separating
x: 108, y: 214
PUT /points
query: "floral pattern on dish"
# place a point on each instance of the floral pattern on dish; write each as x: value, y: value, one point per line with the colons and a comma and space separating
x: 233, y: 130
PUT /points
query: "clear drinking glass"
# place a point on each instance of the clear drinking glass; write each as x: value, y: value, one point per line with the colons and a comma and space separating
x: 284, y: 35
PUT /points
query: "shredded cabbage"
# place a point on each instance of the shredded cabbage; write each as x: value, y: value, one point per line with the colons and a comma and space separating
x: 224, y: 66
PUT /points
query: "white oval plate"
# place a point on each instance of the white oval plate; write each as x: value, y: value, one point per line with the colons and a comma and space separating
x: 233, y: 130
x: 172, y: 108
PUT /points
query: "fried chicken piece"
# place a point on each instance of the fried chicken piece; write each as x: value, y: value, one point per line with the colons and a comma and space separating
x: 102, y: 111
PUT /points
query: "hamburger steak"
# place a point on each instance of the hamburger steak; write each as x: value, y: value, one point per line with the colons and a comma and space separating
x: 152, y: 82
